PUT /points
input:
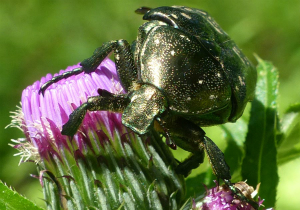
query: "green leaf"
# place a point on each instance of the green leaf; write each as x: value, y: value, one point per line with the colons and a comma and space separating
x: 289, y: 148
x: 235, y: 134
x: 11, y: 200
x: 289, y: 121
x: 260, y: 161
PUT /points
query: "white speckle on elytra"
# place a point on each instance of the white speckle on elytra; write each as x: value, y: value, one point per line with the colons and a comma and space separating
x: 211, y: 97
x: 174, y: 16
x: 241, y: 81
x: 186, y: 15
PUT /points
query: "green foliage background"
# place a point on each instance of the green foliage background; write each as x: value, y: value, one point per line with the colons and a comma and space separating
x: 40, y: 37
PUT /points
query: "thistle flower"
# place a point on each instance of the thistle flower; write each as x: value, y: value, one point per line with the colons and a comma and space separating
x: 222, y: 198
x: 105, y: 165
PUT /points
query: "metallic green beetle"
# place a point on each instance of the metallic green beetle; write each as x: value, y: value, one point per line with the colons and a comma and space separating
x: 182, y: 72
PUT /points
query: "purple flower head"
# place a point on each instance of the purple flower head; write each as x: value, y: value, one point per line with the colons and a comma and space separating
x: 43, y: 116
x: 222, y: 198
x: 105, y: 165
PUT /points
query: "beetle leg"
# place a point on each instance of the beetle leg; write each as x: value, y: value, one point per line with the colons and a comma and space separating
x: 190, y: 163
x: 216, y: 159
x: 59, y: 77
x: 114, y: 103
x: 123, y: 58
x: 162, y: 128
x: 185, y: 134
x: 192, y: 138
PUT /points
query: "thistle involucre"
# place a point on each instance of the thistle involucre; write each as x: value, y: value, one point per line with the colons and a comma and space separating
x: 105, y: 165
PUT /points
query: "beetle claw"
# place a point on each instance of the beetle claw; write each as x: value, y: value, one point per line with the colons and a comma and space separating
x: 171, y: 144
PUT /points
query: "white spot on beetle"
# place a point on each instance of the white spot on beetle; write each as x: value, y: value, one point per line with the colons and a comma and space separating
x: 183, y: 36
x: 173, y: 108
x: 241, y: 81
x: 211, y: 97
x: 186, y: 15
x: 202, y: 12
x: 218, y: 74
x: 134, y: 98
x: 174, y: 16
x: 200, y: 82
x: 188, y: 98
x: 172, y: 52
x: 156, y: 41
x: 188, y: 9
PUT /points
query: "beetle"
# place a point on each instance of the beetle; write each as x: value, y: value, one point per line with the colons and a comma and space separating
x: 182, y: 72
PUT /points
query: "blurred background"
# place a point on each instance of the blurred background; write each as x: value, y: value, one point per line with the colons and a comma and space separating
x: 40, y: 37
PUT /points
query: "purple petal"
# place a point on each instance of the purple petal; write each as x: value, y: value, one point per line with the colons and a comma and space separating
x: 45, y: 115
